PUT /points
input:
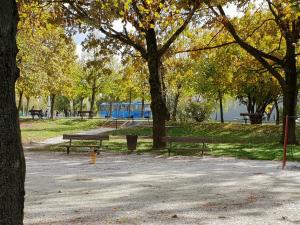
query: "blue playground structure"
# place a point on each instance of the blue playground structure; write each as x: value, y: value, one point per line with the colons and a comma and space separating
x: 121, y: 110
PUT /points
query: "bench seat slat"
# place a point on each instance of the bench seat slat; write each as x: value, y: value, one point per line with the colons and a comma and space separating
x: 187, y: 139
x: 78, y: 146
x: 85, y: 137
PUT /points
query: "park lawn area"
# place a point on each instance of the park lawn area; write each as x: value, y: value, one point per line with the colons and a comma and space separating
x: 260, y: 142
x: 38, y: 130
x: 256, y: 142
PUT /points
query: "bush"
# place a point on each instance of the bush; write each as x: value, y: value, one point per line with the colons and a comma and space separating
x: 199, y: 111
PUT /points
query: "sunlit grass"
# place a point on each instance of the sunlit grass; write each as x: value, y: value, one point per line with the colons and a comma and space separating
x: 37, y: 130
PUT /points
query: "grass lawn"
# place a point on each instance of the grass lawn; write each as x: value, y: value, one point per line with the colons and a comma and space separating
x: 239, y: 140
x: 244, y: 141
x: 37, y: 130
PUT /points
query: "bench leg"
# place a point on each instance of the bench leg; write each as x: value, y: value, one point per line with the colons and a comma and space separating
x: 68, y: 147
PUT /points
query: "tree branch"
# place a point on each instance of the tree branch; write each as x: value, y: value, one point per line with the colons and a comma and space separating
x: 206, y: 47
x: 166, y: 46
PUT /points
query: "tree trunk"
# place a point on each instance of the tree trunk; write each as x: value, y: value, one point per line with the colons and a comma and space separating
x: 174, y: 112
x: 221, y: 106
x: 277, y: 112
x: 20, y: 100
x: 129, y: 107
x: 81, y: 104
x: 290, y: 94
x: 27, y: 105
x: 158, y: 106
x: 143, y: 107
x: 92, y: 103
x: 110, y: 109
x: 12, y: 161
x: 52, y: 106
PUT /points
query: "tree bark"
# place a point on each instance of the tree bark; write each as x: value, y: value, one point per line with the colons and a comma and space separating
x: 110, y: 109
x: 27, y: 104
x: 52, y: 106
x: 81, y: 104
x: 143, y: 107
x: 277, y: 112
x: 158, y: 106
x: 221, y: 106
x: 290, y: 102
x: 174, y: 112
x: 129, y: 107
x: 92, y: 102
x: 12, y: 161
x: 20, y: 100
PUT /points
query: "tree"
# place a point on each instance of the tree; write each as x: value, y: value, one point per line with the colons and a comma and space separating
x: 30, y: 42
x: 12, y: 163
x: 59, y: 57
x: 280, y: 25
x: 97, y: 72
x: 134, y: 79
x: 151, y: 34
x: 178, y: 74
x: 213, y: 75
x: 252, y: 85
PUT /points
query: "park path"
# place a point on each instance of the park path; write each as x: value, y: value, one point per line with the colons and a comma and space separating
x: 59, y: 139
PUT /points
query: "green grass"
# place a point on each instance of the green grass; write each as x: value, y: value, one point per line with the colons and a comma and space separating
x: 37, y: 130
x: 259, y: 142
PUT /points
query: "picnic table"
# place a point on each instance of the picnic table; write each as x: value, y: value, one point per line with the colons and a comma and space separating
x: 86, y: 114
x: 255, y: 118
x: 36, y: 112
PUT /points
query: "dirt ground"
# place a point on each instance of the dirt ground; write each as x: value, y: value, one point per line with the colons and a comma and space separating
x: 144, y: 189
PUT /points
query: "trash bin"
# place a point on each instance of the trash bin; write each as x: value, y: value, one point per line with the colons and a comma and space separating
x: 131, y: 142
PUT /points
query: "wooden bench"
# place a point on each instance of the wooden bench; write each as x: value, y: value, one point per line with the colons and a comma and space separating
x: 84, y: 137
x: 38, y: 113
x: 194, y: 140
x: 86, y: 113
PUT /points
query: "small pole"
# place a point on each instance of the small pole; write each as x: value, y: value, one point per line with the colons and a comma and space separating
x: 286, y: 131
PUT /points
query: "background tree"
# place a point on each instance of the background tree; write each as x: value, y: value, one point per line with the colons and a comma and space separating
x: 150, y: 36
x: 59, y: 55
x: 270, y: 33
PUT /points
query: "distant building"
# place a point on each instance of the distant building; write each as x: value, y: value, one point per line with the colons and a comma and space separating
x: 232, y: 110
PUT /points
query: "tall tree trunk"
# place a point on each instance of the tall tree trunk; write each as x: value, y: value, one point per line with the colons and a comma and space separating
x: 158, y: 106
x: 92, y: 102
x: 52, y: 106
x: 277, y: 112
x: 129, y: 107
x: 27, y: 104
x: 12, y: 161
x: 174, y: 112
x: 290, y: 94
x: 221, y: 106
x: 110, y: 108
x: 81, y: 104
x: 20, y: 100
x: 143, y: 107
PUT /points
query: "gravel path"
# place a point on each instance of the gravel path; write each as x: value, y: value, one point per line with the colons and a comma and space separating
x: 143, y: 189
